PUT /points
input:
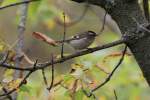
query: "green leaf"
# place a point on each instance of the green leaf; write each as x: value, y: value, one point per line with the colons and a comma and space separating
x: 33, y: 9
x: 79, y: 95
x: 6, y: 2
x: 25, y: 88
x: 68, y: 77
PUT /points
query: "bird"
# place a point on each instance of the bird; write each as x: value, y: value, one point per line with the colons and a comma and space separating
x: 81, y: 40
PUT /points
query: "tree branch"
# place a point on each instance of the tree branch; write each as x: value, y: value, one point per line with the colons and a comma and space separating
x: 109, y: 76
x: 22, y: 82
x: 52, y: 75
x: 65, y: 58
x: 18, y: 3
x: 20, y: 44
x: 123, y: 12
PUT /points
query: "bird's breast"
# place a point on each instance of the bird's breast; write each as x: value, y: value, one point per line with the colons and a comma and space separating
x: 81, y: 43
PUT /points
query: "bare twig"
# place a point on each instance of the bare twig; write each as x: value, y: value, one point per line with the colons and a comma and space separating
x: 18, y: 3
x: 69, y: 24
x: 44, y: 77
x: 5, y: 58
x: 8, y: 96
x: 58, y: 83
x: 52, y: 79
x: 102, y: 68
x: 109, y: 76
x: 22, y: 82
x: 19, y: 47
x: 35, y: 64
x: 64, y: 35
x: 87, y: 94
x: 103, y: 24
x: 116, y: 98
x: 73, y: 89
x: 103, y: 21
x: 71, y: 56
x: 141, y: 27
x: 42, y: 66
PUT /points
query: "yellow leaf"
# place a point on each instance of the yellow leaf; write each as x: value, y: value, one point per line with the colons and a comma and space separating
x: 49, y: 23
x: 1, y: 87
x: 67, y: 18
x: 75, y: 66
x: 102, y: 98
x: 1, y: 48
x: 8, y: 72
x: 13, y: 84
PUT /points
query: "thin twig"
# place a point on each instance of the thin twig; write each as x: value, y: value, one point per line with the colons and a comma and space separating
x: 109, y: 76
x: 20, y: 44
x: 18, y: 3
x: 8, y: 96
x: 102, y: 68
x: 5, y: 58
x: 64, y: 35
x: 52, y: 76
x: 69, y: 24
x: 71, y: 56
x: 22, y: 82
x: 35, y: 64
x: 73, y: 89
x: 140, y: 27
x: 44, y: 77
x: 87, y: 94
x: 116, y: 98
x: 103, y: 24
x: 58, y: 83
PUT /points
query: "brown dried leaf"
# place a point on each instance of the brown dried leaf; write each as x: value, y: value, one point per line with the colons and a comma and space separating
x: 13, y: 84
x: 102, y: 68
x: 44, y: 38
x: 114, y: 55
x: 27, y: 59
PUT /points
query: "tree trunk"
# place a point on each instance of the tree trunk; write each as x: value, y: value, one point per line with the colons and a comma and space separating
x: 126, y: 13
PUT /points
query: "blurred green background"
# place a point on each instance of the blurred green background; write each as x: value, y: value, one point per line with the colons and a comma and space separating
x: 46, y: 17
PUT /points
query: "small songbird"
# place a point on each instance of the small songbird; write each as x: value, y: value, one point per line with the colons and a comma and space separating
x: 81, y: 40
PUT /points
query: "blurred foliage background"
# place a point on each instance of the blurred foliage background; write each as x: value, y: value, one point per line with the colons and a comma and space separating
x: 46, y: 16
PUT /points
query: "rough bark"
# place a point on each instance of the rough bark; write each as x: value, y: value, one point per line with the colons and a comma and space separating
x: 20, y: 44
x: 126, y: 13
